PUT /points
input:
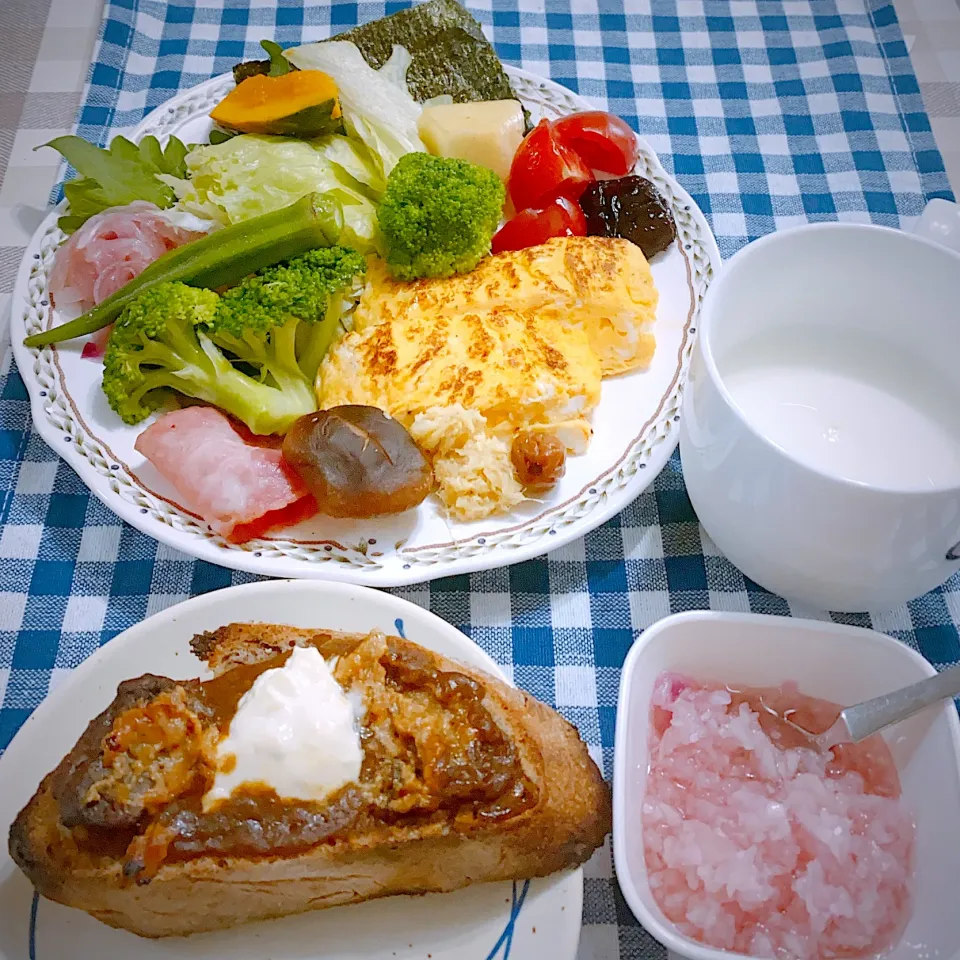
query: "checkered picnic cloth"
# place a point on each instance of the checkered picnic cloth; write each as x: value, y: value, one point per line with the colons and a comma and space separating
x: 770, y: 113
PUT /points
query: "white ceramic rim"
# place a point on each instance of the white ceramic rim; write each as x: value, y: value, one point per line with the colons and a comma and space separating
x: 403, y: 609
x: 655, y: 925
x: 718, y: 288
x: 593, y: 506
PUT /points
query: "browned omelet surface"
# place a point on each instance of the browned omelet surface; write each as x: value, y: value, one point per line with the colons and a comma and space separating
x: 521, y: 343
x: 602, y: 284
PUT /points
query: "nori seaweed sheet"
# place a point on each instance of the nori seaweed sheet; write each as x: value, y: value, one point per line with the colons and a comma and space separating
x: 450, y: 53
x: 250, y: 68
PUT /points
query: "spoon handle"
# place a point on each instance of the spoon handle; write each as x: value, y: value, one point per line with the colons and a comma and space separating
x: 872, y: 716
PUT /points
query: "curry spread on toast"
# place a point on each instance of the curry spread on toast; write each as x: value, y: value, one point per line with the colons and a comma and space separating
x: 434, y: 759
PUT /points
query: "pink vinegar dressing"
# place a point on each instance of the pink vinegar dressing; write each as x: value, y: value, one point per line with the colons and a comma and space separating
x: 758, y: 844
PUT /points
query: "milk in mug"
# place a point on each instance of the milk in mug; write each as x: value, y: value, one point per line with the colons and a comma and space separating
x: 850, y: 407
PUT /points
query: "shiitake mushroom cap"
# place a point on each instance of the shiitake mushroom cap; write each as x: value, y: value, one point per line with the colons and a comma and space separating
x: 629, y: 207
x: 358, y: 462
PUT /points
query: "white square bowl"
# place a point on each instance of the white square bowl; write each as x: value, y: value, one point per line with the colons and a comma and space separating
x: 828, y: 660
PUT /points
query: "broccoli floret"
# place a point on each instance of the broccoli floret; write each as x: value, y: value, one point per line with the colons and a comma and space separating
x: 283, y: 319
x: 159, y: 344
x: 254, y: 352
x: 437, y: 215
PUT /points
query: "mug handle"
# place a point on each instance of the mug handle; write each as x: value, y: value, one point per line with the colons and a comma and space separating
x: 940, y: 222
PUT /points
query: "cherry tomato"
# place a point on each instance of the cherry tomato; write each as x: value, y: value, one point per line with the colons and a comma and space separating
x: 543, y: 167
x: 559, y: 217
x: 604, y: 142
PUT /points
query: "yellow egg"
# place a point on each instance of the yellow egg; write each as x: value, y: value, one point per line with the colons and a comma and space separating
x: 520, y: 343
x: 603, y: 284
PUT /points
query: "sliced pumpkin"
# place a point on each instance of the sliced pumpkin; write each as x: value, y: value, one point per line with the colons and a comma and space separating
x: 302, y: 103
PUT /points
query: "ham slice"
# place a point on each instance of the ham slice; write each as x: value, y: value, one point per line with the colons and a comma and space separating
x: 109, y: 250
x: 240, y: 488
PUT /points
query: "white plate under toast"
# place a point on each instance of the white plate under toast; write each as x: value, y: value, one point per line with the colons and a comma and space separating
x: 495, y: 921
x: 635, y: 428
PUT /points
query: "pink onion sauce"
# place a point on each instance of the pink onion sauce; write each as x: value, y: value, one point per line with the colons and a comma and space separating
x: 757, y: 843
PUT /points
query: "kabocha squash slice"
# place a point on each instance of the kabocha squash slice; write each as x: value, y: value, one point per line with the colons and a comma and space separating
x: 301, y: 103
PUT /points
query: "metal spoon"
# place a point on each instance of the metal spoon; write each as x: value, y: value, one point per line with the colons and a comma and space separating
x: 858, y: 722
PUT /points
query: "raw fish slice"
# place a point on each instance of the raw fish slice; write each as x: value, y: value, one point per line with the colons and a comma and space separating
x: 113, y: 250
x: 113, y: 278
x: 109, y: 250
x: 72, y: 278
x: 239, y: 488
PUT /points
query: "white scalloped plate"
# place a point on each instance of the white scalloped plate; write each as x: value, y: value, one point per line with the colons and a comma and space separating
x: 634, y: 424
x: 488, y: 921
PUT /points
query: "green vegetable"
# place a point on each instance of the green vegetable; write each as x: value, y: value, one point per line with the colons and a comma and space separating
x: 157, y: 345
x: 438, y: 215
x: 219, y: 259
x: 274, y: 67
x: 377, y: 108
x: 354, y: 163
x: 117, y: 175
x: 220, y: 136
x: 254, y: 352
x: 251, y: 175
x: 279, y: 64
x: 313, y: 292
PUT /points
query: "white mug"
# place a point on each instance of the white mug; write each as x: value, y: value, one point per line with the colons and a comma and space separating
x: 820, y: 434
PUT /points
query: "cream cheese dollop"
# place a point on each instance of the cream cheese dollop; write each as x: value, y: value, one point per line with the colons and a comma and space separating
x: 295, y: 730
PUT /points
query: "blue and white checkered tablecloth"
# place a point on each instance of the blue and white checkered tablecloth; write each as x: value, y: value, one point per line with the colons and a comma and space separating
x: 769, y: 113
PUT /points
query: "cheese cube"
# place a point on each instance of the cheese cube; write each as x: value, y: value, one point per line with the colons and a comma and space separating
x: 486, y: 132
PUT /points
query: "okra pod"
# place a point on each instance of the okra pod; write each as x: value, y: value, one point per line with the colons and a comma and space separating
x: 220, y: 259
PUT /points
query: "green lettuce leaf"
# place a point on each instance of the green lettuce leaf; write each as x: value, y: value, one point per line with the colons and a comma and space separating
x: 250, y: 174
x: 377, y: 107
x: 118, y: 174
x: 353, y: 160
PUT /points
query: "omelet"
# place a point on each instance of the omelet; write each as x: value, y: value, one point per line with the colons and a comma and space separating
x: 519, y: 344
x: 603, y: 284
x: 479, y: 377
x: 513, y: 366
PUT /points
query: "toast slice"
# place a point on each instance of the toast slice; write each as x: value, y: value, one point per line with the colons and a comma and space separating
x: 464, y: 780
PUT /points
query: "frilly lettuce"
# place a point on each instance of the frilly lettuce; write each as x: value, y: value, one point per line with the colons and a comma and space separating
x: 248, y: 175
x: 116, y: 175
x: 377, y: 107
